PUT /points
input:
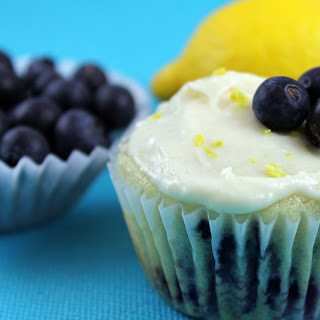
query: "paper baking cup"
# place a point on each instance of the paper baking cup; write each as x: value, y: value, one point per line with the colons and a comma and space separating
x: 31, y: 194
x: 223, y: 266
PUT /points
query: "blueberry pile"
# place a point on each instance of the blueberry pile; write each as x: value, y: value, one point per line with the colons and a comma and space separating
x: 282, y: 104
x: 41, y: 112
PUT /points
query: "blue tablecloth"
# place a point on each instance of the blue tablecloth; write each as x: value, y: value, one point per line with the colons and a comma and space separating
x: 83, y: 266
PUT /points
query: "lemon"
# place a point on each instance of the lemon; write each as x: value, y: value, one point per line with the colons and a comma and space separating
x: 265, y: 37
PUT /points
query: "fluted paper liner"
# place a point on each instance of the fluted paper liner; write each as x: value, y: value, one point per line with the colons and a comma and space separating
x: 31, y: 194
x: 223, y: 266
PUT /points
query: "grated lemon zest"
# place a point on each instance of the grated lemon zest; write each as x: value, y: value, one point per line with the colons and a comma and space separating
x: 238, y: 97
x: 198, y: 140
x: 156, y: 116
x: 289, y: 155
x: 252, y: 160
x: 294, y: 134
x: 267, y: 131
x: 210, y: 153
x: 218, y: 143
x: 275, y: 171
x: 219, y: 72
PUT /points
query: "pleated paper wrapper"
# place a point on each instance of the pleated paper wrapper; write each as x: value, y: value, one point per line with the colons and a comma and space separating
x: 224, y: 266
x: 31, y: 194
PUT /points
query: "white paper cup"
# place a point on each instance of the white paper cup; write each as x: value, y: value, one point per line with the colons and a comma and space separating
x: 224, y: 266
x: 32, y: 193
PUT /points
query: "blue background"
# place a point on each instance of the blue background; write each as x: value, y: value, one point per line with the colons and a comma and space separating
x: 83, y: 266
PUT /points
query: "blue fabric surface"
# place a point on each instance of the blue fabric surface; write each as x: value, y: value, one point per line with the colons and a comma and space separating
x: 83, y: 266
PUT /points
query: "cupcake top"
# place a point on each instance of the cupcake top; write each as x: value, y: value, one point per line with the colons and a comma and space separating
x: 206, y: 146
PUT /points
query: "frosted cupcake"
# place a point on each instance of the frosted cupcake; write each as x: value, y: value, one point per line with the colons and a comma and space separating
x: 223, y: 212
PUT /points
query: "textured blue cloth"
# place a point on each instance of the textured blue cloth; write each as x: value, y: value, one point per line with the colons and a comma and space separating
x: 83, y: 266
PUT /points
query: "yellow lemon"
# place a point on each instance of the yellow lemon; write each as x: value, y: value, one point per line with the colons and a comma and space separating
x: 265, y: 37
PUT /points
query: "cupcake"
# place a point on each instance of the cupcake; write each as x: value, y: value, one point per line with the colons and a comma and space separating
x: 223, y: 212
x: 55, y: 134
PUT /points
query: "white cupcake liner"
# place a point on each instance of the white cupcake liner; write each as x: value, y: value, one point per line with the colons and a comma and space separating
x: 32, y: 193
x: 223, y: 266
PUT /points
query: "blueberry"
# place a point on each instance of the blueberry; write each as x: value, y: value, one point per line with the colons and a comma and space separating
x: 115, y: 105
x: 311, y: 81
x: 42, y: 81
x: 78, y: 129
x: 39, y: 113
x: 68, y: 94
x: 281, y: 103
x: 4, y: 70
x: 12, y: 90
x: 4, y: 123
x: 5, y: 60
x: 91, y: 75
x: 23, y: 141
x: 37, y: 67
x: 313, y: 125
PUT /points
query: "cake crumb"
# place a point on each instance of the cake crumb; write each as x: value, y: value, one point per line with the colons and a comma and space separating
x: 219, y: 72
x: 218, y: 143
x: 198, y: 140
x: 273, y: 170
x: 238, y: 97
x: 210, y: 153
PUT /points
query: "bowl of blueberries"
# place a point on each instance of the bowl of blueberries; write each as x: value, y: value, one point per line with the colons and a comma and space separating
x: 58, y: 121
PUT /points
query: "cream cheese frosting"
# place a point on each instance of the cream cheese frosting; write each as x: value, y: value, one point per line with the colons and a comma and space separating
x: 206, y: 146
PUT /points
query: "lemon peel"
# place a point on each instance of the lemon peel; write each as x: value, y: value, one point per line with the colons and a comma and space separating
x: 217, y: 144
x: 156, y: 116
x: 281, y: 38
x: 294, y: 134
x: 238, y: 97
x: 289, y: 155
x: 198, y: 140
x: 273, y: 170
x: 219, y: 72
x: 252, y: 160
x: 210, y: 153
x: 267, y: 131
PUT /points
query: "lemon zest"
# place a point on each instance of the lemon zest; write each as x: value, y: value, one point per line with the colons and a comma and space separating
x: 267, y: 131
x: 252, y: 160
x: 289, y: 155
x: 156, y: 116
x: 238, y: 97
x: 294, y: 134
x: 219, y: 71
x: 198, y: 140
x: 210, y: 153
x: 218, y: 143
x: 273, y: 170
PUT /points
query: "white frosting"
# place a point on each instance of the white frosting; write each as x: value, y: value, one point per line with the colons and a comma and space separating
x: 164, y: 149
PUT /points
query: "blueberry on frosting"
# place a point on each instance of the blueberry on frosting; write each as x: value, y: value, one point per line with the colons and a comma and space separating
x: 281, y: 103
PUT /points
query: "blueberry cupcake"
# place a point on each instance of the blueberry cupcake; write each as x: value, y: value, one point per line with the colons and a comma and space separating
x: 224, y: 211
x: 57, y: 123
